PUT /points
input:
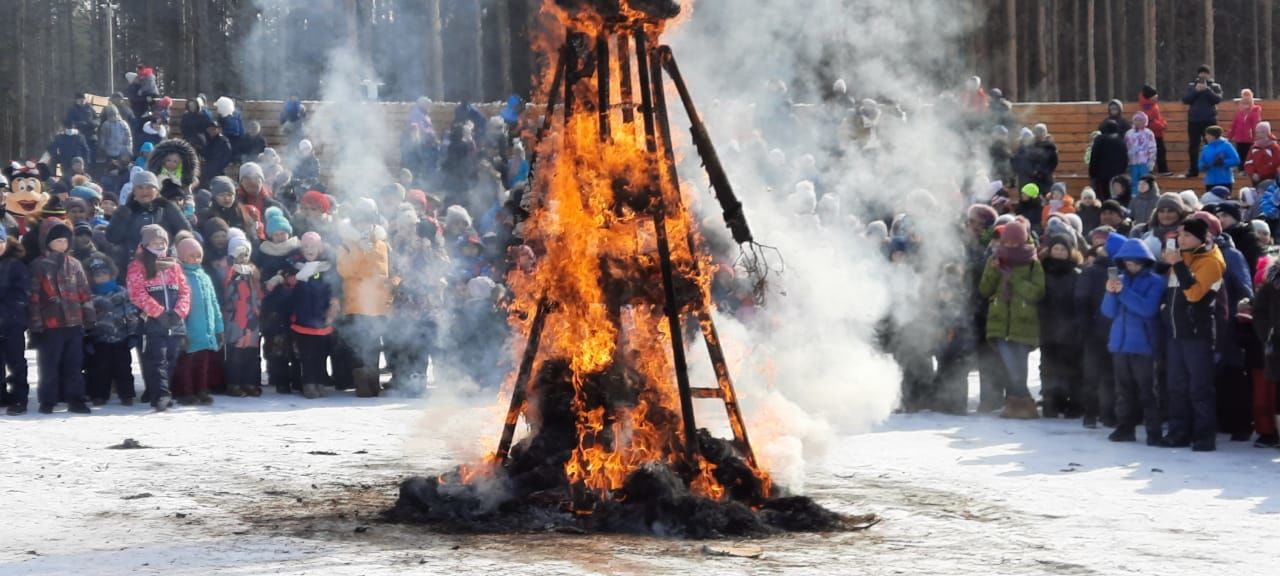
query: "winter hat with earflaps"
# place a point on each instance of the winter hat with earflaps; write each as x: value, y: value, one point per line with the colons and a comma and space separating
x: 1171, y: 201
x: 982, y: 213
x: 58, y: 229
x: 151, y: 233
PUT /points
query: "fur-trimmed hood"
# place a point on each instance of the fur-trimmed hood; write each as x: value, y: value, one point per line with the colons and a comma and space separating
x: 184, y: 150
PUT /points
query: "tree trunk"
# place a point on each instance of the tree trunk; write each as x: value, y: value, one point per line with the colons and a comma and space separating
x: 1011, y: 20
x: 1267, y: 15
x: 20, y: 95
x: 1208, y: 33
x: 1090, y: 59
x: 1255, y: 15
x: 504, y: 45
x: 1149, y: 41
x: 1172, y: 48
x: 1077, y: 78
x: 1122, y: 41
x: 1042, y: 50
x: 353, y: 24
x: 204, y: 30
x: 1111, y: 51
x: 435, y: 51
x: 476, y: 36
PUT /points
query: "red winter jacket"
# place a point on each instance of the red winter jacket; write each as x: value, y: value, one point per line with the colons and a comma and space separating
x: 60, y: 295
x: 1155, y: 119
x: 166, y: 292
x: 1263, y: 161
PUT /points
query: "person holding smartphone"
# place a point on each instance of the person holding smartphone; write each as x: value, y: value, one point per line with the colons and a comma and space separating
x: 1132, y: 302
x: 1202, y: 96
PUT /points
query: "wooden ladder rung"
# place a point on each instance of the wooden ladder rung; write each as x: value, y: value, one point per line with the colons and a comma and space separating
x: 706, y: 392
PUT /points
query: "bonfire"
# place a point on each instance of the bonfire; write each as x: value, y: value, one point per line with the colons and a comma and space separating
x: 602, y: 383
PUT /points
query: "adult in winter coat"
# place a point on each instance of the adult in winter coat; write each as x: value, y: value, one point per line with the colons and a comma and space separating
x: 159, y: 289
x: 215, y: 151
x: 68, y: 144
x: 1218, y: 159
x: 1195, y: 277
x: 1060, y: 351
x: 1013, y: 282
x: 364, y: 265
x: 1202, y: 97
x: 1248, y: 115
x: 145, y: 207
x: 1231, y: 379
x: 227, y: 208
x: 15, y: 293
x: 1266, y: 324
x: 1243, y: 238
x: 1132, y: 303
x: 1149, y: 103
x: 1263, y: 160
x: 1115, y: 113
x: 1107, y: 158
x: 255, y: 192
x: 60, y: 310
x: 115, y: 138
x: 1097, y: 395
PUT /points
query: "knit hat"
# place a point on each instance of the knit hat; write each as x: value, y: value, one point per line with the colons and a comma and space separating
x: 1088, y: 194
x: 222, y: 185
x: 457, y: 216
x: 480, y: 288
x: 1014, y: 232
x: 312, y: 240
x: 75, y: 203
x: 1170, y: 201
x: 53, y: 207
x: 982, y: 213
x: 1190, y: 200
x: 83, y: 228
x: 144, y: 178
x: 1222, y: 192
x: 86, y: 193
x: 316, y: 200
x: 147, y: 147
x: 239, y: 244
x: 1260, y: 228
x: 251, y: 170
x: 1058, y: 187
x: 1031, y: 190
x: 1063, y: 239
x: 151, y: 232
x: 1197, y: 227
x: 276, y: 222
x: 190, y: 247
x: 428, y: 229
x: 56, y: 230
x: 1114, y: 206
x: 1149, y: 92
x: 95, y: 265
x: 1104, y: 231
x: 224, y: 106
x: 1230, y: 208
x: 1140, y: 117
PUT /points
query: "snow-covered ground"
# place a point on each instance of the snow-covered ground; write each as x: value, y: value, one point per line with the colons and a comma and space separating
x: 282, y: 485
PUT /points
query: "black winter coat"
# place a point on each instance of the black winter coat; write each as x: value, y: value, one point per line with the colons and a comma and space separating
x: 125, y: 229
x: 1091, y: 288
x: 1108, y: 158
x: 15, y: 292
x: 1246, y: 241
x: 1059, y: 322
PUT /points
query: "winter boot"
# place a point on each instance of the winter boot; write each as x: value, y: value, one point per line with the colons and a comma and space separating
x: 1267, y: 441
x: 17, y: 409
x: 46, y: 407
x: 162, y: 403
x: 78, y: 407
x: 366, y: 382
x: 186, y: 400
x: 126, y: 401
x: 235, y: 391
x: 1020, y: 409
x: 1123, y: 434
x: 310, y: 391
x: 204, y: 399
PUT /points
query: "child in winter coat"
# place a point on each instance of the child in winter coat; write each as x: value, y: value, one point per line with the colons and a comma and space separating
x: 1133, y: 304
x: 1095, y: 327
x: 364, y: 263
x: 109, y: 351
x: 272, y: 260
x: 1149, y: 103
x: 158, y: 288
x: 200, y: 363
x: 60, y: 309
x: 315, y: 303
x: 241, y: 309
x: 15, y: 292
x: 1014, y: 284
x: 1217, y: 159
x: 1059, y: 330
x: 1140, y: 142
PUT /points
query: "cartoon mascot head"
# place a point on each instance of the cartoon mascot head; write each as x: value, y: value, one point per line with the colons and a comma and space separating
x: 26, y: 197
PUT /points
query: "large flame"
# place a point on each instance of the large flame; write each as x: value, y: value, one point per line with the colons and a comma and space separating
x: 598, y: 266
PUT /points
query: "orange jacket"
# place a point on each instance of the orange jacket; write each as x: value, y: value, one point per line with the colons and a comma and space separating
x: 1155, y: 119
x: 366, y: 278
x: 1068, y: 207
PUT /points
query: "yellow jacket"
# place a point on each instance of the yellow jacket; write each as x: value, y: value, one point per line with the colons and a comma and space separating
x: 366, y: 278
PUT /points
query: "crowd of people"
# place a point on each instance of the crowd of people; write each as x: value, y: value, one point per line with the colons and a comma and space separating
x: 1151, y: 310
x: 210, y: 255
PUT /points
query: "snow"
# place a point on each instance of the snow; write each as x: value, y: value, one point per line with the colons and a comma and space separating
x: 281, y: 485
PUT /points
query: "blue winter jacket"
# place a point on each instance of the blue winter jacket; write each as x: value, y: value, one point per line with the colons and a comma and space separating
x: 1217, y: 158
x: 204, y: 322
x: 1134, y: 312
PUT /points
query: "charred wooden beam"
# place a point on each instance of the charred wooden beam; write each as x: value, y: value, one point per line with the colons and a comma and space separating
x: 520, y: 392
x: 602, y: 84
x: 624, y: 69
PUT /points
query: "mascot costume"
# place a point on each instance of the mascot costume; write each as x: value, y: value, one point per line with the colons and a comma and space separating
x: 27, y: 196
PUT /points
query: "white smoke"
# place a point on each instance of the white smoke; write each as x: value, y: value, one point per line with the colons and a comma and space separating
x: 807, y: 366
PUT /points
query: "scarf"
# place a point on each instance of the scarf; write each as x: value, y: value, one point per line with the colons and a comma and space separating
x: 1008, y: 258
x: 106, y: 288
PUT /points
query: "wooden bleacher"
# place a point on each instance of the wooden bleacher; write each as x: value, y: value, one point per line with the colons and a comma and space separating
x: 1070, y: 123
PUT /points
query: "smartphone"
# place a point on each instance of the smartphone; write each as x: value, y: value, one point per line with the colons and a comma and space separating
x: 1113, y: 273
x: 1171, y: 245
